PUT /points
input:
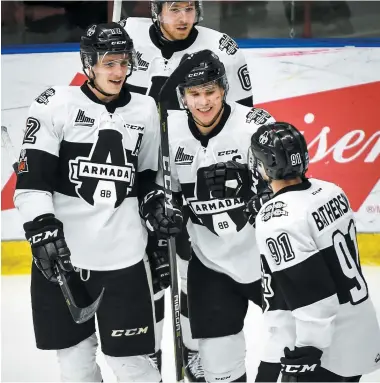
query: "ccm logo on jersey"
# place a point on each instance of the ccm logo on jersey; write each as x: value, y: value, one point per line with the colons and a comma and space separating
x: 43, y: 236
x: 135, y: 127
x: 296, y: 368
x: 118, y: 42
x: 223, y: 377
x: 227, y: 152
x: 130, y: 332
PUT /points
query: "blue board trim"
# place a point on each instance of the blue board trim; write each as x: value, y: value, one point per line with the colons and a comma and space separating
x: 243, y: 43
x: 308, y: 43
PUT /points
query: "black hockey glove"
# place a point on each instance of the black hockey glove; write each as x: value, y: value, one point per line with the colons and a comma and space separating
x: 160, y: 267
x: 49, y: 248
x: 254, y: 205
x: 301, y: 362
x: 152, y: 210
x: 227, y: 180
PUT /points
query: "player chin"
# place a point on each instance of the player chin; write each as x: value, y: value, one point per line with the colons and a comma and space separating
x: 114, y: 85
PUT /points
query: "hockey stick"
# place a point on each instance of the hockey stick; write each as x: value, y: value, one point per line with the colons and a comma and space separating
x: 169, y: 87
x: 80, y: 315
x: 7, y: 144
x: 116, y: 13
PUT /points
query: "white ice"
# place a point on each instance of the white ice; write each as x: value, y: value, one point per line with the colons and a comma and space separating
x: 22, y: 362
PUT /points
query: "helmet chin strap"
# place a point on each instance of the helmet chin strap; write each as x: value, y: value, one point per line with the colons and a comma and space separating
x: 197, y: 121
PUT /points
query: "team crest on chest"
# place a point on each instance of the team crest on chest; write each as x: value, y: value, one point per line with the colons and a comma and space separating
x: 106, y: 175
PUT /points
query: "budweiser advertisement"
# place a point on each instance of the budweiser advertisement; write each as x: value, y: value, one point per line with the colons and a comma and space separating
x: 334, y: 104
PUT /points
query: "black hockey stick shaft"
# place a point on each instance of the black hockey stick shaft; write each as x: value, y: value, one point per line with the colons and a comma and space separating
x: 80, y: 315
x: 167, y: 89
x: 174, y: 290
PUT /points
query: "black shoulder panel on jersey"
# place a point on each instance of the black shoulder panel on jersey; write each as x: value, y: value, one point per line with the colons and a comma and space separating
x: 37, y: 170
x: 136, y: 89
x: 248, y: 101
x: 305, y: 283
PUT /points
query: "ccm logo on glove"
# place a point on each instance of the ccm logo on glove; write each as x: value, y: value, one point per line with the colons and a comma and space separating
x: 297, y: 368
x: 43, y: 236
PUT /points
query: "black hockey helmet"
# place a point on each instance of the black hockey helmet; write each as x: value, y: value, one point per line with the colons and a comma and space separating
x: 100, y: 39
x: 281, y: 149
x: 208, y: 71
x: 156, y: 8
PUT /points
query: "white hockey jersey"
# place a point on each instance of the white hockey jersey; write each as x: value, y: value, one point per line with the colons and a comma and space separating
x: 154, y: 68
x: 84, y: 161
x: 219, y: 232
x: 314, y: 292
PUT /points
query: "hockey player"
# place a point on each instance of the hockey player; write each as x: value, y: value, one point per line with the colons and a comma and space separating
x: 160, y: 45
x: 323, y: 325
x: 224, y: 270
x: 86, y: 172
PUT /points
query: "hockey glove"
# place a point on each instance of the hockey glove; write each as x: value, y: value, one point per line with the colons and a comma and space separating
x: 160, y: 267
x: 152, y: 210
x: 227, y: 179
x: 300, y: 363
x: 254, y: 205
x: 49, y: 248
